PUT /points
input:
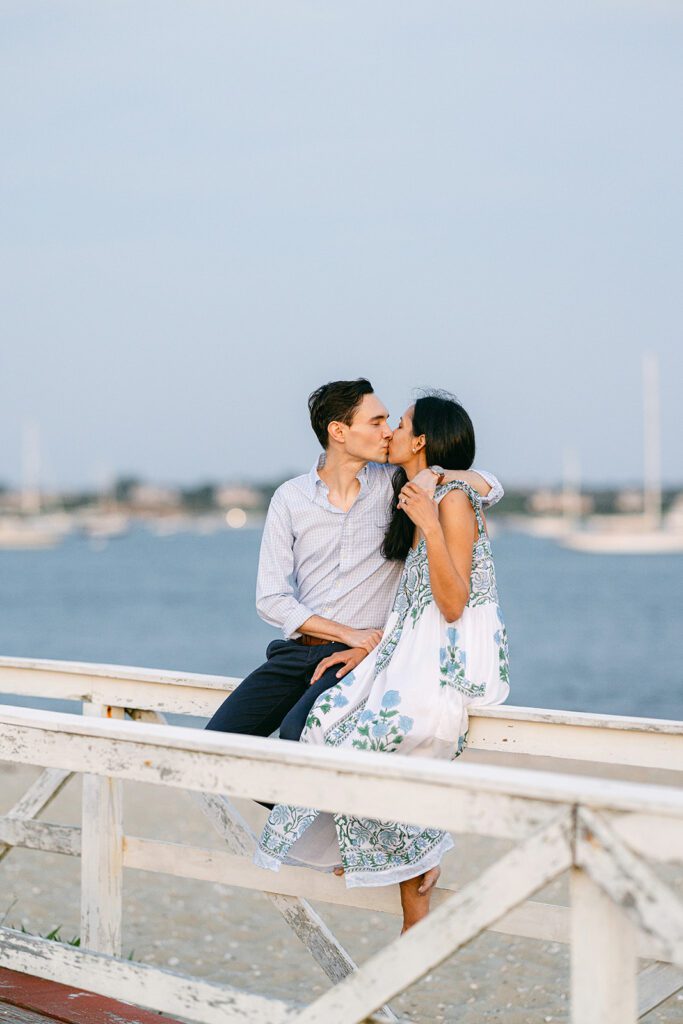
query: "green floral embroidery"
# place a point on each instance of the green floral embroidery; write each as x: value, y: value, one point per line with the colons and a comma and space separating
x: 284, y: 826
x: 329, y: 699
x: 453, y: 664
x: 388, y: 646
x: 385, y: 729
x: 501, y: 638
x: 483, y: 589
x: 370, y: 845
x: 414, y: 594
x: 335, y: 736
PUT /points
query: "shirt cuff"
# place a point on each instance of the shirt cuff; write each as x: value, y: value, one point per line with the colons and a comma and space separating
x: 295, y: 618
x: 496, y: 492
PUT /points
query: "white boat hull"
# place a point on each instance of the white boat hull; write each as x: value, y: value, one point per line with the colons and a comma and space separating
x: 657, y: 542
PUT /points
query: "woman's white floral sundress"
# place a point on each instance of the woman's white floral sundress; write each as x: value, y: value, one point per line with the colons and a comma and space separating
x: 410, y: 695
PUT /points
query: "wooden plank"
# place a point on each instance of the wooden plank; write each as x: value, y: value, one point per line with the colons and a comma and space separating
x: 251, y: 767
x: 531, y: 919
x: 649, y: 746
x: 15, y: 671
x: 656, y: 838
x: 657, y: 983
x: 37, y: 797
x: 304, y: 921
x: 611, y: 739
x: 41, y: 835
x: 116, y: 685
x: 306, y: 924
x: 630, y: 884
x: 603, y: 957
x: 584, y: 719
x: 447, y: 795
x: 102, y: 855
x: 17, y: 1015
x: 69, y: 1005
x: 519, y: 873
x: 151, y: 987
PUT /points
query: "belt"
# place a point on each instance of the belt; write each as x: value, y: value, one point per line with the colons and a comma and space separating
x: 311, y: 641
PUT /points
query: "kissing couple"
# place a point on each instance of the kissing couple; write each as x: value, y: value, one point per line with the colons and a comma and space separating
x: 376, y: 566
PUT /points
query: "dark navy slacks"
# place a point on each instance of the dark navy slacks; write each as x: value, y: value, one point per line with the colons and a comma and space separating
x: 278, y: 693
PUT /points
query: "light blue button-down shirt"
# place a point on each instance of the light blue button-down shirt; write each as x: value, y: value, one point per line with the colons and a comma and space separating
x: 317, y: 559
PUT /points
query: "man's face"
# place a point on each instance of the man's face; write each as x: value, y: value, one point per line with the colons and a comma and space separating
x: 368, y: 436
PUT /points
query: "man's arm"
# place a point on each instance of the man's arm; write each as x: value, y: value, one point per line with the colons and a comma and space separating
x: 486, y: 484
x: 327, y: 629
x: 276, y: 602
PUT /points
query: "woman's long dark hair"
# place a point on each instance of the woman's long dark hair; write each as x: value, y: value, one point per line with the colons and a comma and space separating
x: 449, y: 437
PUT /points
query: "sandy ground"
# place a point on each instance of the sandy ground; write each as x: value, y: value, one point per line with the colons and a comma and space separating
x: 234, y: 936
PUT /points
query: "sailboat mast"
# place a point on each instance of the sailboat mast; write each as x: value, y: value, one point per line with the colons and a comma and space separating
x: 652, y: 496
x: 30, y: 468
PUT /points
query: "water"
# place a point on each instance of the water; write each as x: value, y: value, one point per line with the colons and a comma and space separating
x: 587, y: 632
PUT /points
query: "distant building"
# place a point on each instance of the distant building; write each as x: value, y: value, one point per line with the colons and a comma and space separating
x: 546, y: 502
x: 238, y: 496
x: 629, y: 501
x: 153, y: 496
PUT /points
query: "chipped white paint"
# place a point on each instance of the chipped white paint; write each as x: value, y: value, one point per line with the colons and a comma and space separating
x: 630, y: 884
x: 36, y: 798
x: 101, y: 855
x: 486, y: 799
x: 655, y: 838
x: 304, y: 921
x: 141, y: 984
x: 513, y: 878
x: 532, y: 919
x: 605, y: 825
x: 41, y: 835
x: 306, y: 924
x: 603, y: 739
x: 647, y: 743
x: 603, y: 957
x: 298, y: 913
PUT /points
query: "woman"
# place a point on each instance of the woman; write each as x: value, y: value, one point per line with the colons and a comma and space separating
x: 444, y: 648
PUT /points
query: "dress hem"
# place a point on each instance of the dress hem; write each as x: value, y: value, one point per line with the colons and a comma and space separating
x: 363, y: 879
x: 370, y: 879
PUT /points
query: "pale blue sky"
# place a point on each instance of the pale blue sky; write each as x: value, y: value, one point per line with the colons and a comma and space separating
x: 208, y: 208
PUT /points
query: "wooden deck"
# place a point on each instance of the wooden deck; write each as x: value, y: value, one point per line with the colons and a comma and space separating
x: 25, y: 999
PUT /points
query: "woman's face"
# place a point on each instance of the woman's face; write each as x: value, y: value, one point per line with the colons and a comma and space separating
x: 403, y: 440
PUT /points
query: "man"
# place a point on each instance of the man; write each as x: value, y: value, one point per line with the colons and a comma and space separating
x: 322, y: 579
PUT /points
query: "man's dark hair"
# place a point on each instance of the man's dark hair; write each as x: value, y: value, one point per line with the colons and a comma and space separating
x: 338, y: 401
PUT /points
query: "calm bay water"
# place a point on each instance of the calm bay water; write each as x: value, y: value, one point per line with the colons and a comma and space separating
x: 587, y: 632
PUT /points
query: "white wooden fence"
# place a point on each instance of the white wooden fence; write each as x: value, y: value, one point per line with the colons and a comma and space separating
x: 605, y: 831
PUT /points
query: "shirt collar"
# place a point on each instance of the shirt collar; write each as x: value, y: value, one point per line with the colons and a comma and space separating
x: 315, y: 481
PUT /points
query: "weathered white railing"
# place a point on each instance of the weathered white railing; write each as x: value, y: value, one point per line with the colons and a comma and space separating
x: 604, y: 831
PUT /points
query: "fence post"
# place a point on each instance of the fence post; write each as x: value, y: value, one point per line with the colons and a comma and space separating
x: 603, y: 957
x: 101, y: 854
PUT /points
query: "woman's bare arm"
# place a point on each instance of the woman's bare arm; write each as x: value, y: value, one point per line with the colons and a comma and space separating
x: 449, y: 549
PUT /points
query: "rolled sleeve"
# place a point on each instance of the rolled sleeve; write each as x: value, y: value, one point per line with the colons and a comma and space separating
x: 496, y: 492
x: 276, y: 601
x: 295, y: 618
